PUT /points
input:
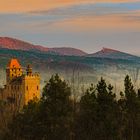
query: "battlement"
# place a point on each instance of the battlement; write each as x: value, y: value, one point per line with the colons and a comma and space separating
x: 35, y: 75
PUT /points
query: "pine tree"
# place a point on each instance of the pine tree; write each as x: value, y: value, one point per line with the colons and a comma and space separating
x: 56, y: 109
x: 87, y: 117
x: 107, y: 111
x: 130, y: 111
x: 98, y: 113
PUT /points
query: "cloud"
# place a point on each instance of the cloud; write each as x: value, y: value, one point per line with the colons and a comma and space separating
x: 77, y: 18
x: 92, y: 17
x: 116, y: 22
x: 74, y: 23
x: 16, y: 6
x: 89, y: 9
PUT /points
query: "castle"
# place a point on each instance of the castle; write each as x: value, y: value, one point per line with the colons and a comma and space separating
x: 20, y: 87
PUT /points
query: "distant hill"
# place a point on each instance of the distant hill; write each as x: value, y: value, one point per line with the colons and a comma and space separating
x: 68, y: 51
x: 15, y: 44
x: 114, y: 54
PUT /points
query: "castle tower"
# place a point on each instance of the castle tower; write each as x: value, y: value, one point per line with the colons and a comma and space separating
x: 29, y: 70
x: 21, y: 88
x: 31, y: 84
x: 13, y: 70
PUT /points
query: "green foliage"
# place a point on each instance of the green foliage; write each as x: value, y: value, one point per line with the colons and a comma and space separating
x: 86, y: 120
x: 130, y: 111
x: 40, y: 59
x: 98, y: 115
x: 98, y: 111
x: 57, y: 109
x: 24, y: 125
x: 48, y: 119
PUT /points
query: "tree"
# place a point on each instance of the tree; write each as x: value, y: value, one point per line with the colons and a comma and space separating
x: 98, y: 113
x: 87, y: 116
x: 5, y: 116
x: 130, y: 111
x: 56, y: 109
x: 24, y: 125
x: 107, y: 111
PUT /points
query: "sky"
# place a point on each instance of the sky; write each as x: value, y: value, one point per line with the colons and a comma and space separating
x: 88, y: 25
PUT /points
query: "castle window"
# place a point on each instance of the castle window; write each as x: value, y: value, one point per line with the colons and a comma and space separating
x: 27, y: 88
x: 37, y: 87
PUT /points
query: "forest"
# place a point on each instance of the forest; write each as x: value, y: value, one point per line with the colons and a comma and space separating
x: 58, y: 115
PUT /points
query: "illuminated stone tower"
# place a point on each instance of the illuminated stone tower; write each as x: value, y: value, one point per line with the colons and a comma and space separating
x: 13, y: 70
x: 21, y: 87
x: 31, y: 84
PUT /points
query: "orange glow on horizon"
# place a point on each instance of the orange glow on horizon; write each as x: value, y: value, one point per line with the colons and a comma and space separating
x: 95, y: 23
x: 8, y: 6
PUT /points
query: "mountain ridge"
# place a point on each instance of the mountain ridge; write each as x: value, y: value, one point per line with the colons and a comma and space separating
x: 16, y: 44
x: 112, y: 53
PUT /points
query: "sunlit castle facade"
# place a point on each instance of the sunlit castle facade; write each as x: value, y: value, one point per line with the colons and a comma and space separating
x: 20, y: 87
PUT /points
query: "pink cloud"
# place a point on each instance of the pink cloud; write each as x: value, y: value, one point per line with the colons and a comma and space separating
x: 7, y: 6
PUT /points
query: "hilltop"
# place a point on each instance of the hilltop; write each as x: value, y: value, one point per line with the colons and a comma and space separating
x: 16, y: 44
x: 111, y: 53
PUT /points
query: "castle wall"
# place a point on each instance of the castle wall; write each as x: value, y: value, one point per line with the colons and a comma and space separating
x: 12, y: 73
x: 31, y: 85
x: 4, y: 94
x: 20, y: 88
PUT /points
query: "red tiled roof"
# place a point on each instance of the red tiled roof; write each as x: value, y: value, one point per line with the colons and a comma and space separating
x: 14, y: 64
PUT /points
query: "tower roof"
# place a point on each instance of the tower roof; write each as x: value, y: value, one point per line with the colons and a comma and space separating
x: 14, y: 64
